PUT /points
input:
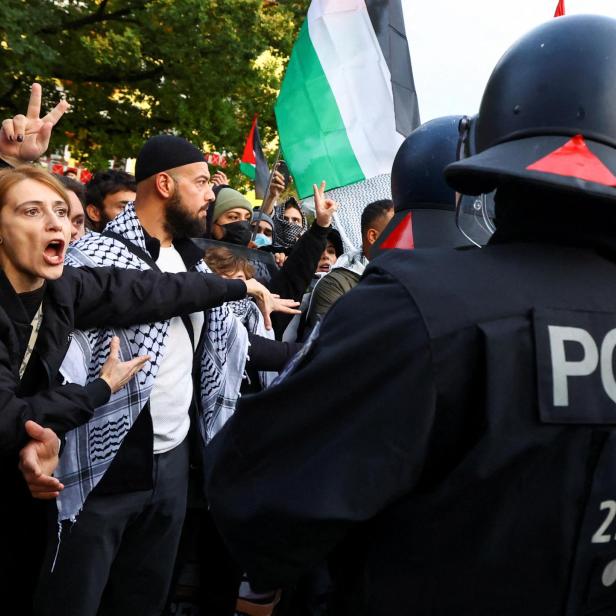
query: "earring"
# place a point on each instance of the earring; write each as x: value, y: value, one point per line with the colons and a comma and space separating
x: 1, y: 240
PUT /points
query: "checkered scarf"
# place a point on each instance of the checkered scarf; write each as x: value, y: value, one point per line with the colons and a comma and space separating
x: 252, y: 319
x: 90, y: 449
x: 353, y: 199
x: 287, y: 233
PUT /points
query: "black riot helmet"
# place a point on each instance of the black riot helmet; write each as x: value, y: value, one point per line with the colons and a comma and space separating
x: 423, y: 203
x: 547, y: 115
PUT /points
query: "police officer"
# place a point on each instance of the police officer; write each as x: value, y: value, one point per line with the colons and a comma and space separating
x: 424, y: 205
x: 449, y: 439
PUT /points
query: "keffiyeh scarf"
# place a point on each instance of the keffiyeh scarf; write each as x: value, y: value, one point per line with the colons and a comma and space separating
x: 287, y: 233
x: 90, y: 449
x: 353, y: 199
x: 252, y: 319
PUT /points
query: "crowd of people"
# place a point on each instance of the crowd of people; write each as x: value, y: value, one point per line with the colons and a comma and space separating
x: 423, y: 424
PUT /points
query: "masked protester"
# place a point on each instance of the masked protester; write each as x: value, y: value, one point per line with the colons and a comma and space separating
x: 232, y: 216
x: 462, y: 460
x: 263, y: 228
x: 289, y: 223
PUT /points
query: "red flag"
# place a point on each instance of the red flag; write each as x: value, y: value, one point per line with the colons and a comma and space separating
x: 560, y: 9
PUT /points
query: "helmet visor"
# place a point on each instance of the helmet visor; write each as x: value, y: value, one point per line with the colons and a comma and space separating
x: 474, y: 214
x: 475, y: 217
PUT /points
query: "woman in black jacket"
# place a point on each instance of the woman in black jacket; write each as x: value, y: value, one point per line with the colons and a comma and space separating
x: 41, y: 302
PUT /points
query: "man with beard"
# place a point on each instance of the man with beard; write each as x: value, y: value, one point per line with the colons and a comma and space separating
x: 131, y: 460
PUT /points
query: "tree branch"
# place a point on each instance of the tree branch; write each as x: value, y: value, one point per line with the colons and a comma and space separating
x: 114, y: 78
x: 98, y: 17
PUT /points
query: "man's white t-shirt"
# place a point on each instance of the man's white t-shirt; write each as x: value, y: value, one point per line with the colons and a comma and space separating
x: 173, y: 387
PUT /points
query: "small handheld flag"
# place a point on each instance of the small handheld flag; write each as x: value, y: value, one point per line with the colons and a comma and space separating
x: 253, y: 162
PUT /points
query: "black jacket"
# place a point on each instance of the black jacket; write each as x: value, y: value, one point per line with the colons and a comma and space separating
x: 449, y: 441
x: 80, y: 298
x: 292, y: 280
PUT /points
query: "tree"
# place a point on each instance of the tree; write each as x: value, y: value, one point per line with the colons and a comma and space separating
x: 133, y: 68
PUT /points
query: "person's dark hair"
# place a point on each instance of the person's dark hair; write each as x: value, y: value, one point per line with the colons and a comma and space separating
x: 105, y: 183
x: 77, y: 187
x: 291, y: 202
x: 373, y: 211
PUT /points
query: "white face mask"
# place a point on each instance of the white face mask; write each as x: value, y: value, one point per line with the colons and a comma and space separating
x: 262, y: 240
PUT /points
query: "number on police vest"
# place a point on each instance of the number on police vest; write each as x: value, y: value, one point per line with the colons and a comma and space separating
x: 600, y: 536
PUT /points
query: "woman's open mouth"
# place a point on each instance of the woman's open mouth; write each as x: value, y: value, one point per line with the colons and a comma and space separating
x: 54, y: 252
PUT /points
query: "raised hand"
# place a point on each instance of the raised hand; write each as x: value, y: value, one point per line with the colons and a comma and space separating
x: 324, y: 208
x: 269, y: 303
x: 38, y: 460
x: 118, y: 373
x: 26, y: 138
x: 276, y: 187
x: 220, y: 178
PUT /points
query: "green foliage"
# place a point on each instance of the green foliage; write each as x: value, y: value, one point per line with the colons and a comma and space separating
x: 133, y: 68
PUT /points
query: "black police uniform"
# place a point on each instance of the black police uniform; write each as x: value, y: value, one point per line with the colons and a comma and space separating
x: 454, y: 446
x: 426, y: 451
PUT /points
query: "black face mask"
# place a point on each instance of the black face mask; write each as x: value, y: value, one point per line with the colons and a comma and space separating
x: 237, y: 232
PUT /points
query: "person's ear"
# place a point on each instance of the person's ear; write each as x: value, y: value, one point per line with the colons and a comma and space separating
x: 372, y: 236
x: 164, y: 184
x: 93, y: 213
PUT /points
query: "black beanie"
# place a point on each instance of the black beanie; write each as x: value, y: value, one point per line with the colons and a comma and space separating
x: 164, y: 152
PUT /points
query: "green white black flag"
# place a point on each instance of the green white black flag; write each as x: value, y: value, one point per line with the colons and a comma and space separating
x: 348, y: 98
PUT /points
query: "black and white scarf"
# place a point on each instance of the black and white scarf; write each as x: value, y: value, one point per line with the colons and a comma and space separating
x: 90, y: 449
x: 252, y: 319
x: 287, y: 233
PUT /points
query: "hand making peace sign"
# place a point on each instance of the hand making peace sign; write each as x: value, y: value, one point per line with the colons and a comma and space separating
x: 324, y: 208
x: 27, y: 137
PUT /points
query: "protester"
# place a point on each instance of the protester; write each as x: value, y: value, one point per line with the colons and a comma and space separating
x: 348, y: 268
x: 77, y: 196
x: 108, y: 193
x: 262, y: 227
x: 118, y: 558
x: 289, y: 223
x: 295, y: 330
x: 231, y: 216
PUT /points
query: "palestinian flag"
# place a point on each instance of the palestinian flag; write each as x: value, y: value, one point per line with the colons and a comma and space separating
x: 348, y: 98
x: 253, y: 163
